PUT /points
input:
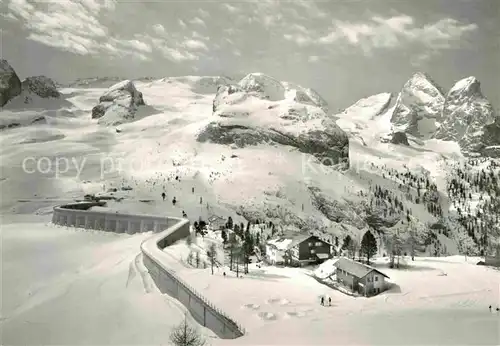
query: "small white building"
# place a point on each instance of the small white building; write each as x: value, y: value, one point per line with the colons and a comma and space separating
x: 275, y: 250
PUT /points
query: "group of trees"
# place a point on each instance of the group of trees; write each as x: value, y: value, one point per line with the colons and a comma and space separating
x: 367, y: 248
x: 240, y: 242
x: 477, y: 227
x: 415, y: 188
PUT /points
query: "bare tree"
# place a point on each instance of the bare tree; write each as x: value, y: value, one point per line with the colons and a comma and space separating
x: 189, y: 243
x: 352, y: 248
x: 186, y: 335
x: 212, y: 255
x: 233, y: 248
x: 395, y: 246
x: 197, y: 259
x: 411, y: 240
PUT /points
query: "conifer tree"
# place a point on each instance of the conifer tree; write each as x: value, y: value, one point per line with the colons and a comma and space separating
x: 368, y: 246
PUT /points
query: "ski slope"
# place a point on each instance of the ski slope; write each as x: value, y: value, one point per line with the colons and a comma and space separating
x: 79, y: 287
x: 67, y: 286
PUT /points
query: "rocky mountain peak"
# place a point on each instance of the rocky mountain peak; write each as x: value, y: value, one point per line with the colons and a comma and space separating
x: 465, y: 114
x: 263, y: 85
x: 418, y: 106
x: 470, y: 87
x: 260, y: 109
x: 10, y: 85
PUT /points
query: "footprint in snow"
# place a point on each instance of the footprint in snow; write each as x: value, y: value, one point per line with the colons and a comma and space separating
x: 267, y: 316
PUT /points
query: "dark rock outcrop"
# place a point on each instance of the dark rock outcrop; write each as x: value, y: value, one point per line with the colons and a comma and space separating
x: 10, y: 85
x: 41, y: 86
x: 118, y: 104
x: 399, y: 138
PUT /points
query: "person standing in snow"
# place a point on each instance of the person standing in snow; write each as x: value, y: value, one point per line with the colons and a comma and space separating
x: 163, y: 195
x: 329, y: 301
x: 322, y: 302
x: 174, y: 201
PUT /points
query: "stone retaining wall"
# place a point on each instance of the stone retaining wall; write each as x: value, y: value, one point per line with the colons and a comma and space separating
x: 168, y: 230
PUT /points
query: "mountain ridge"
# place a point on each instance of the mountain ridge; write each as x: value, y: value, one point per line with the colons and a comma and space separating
x: 224, y: 150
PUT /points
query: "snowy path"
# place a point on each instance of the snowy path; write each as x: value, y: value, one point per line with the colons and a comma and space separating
x: 68, y: 287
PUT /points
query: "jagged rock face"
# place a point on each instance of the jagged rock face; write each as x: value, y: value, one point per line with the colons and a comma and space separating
x: 42, y: 86
x: 399, y: 138
x: 119, y: 103
x: 492, y: 151
x: 489, y: 143
x: 331, y: 146
x: 335, y: 210
x: 10, y: 85
x: 418, y: 107
x: 465, y: 113
x: 245, y: 115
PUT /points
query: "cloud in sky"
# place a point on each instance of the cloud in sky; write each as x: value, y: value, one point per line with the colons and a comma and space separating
x: 396, y: 32
x: 77, y: 27
x: 195, y: 45
x: 80, y: 27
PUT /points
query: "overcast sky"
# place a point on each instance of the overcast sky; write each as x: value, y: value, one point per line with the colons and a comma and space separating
x: 344, y: 49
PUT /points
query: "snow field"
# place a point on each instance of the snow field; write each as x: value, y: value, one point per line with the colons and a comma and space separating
x: 74, y: 286
x: 67, y: 286
x: 446, y: 291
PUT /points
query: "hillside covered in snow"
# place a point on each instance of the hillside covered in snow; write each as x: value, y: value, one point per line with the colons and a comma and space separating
x: 254, y: 149
x: 418, y: 170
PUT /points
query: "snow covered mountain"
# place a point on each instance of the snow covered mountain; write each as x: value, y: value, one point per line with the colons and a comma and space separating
x: 422, y: 110
x: 254, y: 149
x: 261, y: 151
x: 418, y: 107
x: 260, y: 110
x: 465, y: 114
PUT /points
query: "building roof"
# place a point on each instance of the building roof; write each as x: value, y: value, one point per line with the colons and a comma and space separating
x: 286, y: 243
x: 296, y: 240
x: 357, y: 269
x: 280, y: 243
x: 214, y: 217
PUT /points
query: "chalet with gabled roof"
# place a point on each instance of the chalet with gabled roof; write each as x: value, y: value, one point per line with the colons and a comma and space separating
x: 359, y: 277
x: 297, y: 250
